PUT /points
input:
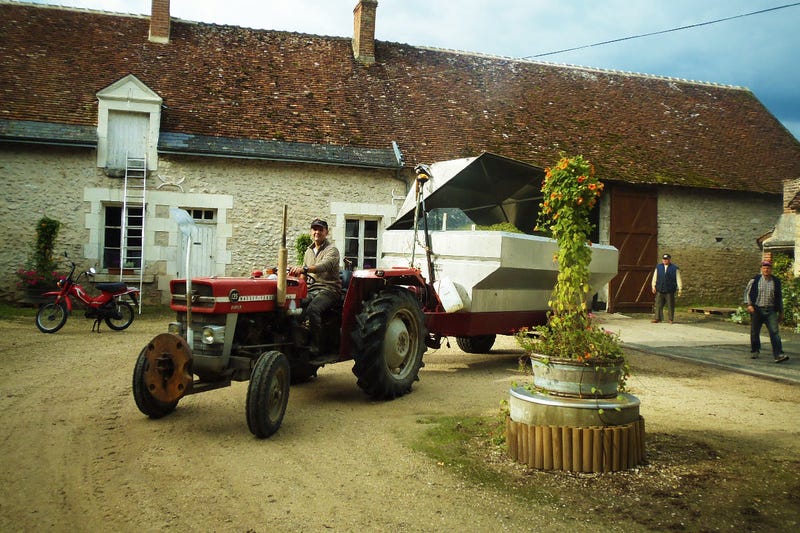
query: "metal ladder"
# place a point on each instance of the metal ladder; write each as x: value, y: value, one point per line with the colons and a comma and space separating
x: 133, y: 218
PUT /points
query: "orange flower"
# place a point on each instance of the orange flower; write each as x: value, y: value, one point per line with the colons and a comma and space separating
x: 592, y: 186
x: 580, y: 200
x: 581, y: 179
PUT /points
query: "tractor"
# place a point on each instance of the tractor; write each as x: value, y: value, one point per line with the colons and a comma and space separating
x: 472, y: 285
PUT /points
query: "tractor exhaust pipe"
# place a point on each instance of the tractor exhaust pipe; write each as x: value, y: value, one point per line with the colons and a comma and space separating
x: 282, y: 264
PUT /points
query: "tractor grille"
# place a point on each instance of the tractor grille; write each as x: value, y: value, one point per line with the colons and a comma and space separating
x: 202, y: 295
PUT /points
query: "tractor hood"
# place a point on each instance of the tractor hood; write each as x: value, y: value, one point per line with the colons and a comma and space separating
x: 489, y: 189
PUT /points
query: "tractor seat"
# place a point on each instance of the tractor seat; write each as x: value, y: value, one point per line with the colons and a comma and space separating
x: 345, y: 276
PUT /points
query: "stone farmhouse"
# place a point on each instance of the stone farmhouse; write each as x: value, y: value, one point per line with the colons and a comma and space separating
x: 234, y: 123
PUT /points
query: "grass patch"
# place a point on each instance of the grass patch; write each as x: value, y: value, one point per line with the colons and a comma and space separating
x: 688, y: 483
x: 8, y: 311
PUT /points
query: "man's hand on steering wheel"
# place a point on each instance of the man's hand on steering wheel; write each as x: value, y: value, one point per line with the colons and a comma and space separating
x: 302, y: 270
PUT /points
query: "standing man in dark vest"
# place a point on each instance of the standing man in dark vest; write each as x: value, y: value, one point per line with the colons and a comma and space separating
x: 764, y: 301
x: 666, y: 282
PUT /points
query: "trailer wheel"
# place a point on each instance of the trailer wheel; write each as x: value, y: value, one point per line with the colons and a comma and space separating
x: 268, y: 394
x: 388, y: 343
x: 51, y: 317
x: 145, y: 401
x: 476, y: 344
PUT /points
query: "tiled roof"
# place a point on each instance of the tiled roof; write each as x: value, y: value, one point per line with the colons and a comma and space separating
x: 256, y: 86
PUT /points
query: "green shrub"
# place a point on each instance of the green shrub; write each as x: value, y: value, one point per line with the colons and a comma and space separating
x: 300, y: 245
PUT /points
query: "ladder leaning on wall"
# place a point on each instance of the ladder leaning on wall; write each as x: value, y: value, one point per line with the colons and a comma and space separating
x: 133, y: 218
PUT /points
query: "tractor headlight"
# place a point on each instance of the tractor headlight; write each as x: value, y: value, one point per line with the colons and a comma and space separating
x: 176, y: 328
x: 213, y: 334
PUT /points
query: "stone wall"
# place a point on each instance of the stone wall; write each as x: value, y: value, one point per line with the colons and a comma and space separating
x: 248, y: 195
x: 712, y: 236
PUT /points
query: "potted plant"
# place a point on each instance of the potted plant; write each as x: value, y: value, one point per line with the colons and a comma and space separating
x: 576, y: 415
x: 572, y: 354
x: 40, y: 274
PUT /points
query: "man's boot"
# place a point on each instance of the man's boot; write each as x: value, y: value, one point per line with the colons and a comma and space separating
x: 314, y: 344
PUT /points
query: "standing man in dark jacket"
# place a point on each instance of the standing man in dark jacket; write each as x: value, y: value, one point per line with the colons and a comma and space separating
x: 764, y: 301
x: 666, y: 282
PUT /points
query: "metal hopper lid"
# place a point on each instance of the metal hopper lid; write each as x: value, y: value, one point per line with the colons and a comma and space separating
x: 489, y: 189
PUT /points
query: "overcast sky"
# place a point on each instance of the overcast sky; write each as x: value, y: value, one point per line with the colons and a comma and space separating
x: 759, y: 51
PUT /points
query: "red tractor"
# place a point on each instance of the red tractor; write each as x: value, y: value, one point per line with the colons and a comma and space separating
x: 492, y: 282
x: 243, y: 332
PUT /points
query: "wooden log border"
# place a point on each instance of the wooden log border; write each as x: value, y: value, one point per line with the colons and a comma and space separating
x: 577, y: 449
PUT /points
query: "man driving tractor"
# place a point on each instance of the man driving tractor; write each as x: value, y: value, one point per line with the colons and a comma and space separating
x: 321, y: 261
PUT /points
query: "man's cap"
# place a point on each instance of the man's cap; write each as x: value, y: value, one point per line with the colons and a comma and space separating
x: 319, y: 222
x: 666, y: 256
x: 766, y: 264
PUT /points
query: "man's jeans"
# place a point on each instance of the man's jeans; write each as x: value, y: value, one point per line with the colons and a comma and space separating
x: 769, y: 317
x: 322, y: 300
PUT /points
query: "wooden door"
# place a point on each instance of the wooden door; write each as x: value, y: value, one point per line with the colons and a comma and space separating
x: 634, y: 232
x: 201, y: 260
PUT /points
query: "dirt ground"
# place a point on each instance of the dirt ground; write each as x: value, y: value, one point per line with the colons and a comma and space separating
x: 77, y: 455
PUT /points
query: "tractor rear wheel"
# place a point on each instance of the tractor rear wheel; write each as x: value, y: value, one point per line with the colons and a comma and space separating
x: 476, y: 344
x: 268, y: 394
x: 388, y: 343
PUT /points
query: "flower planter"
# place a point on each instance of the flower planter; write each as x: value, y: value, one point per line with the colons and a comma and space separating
x: 549, y: 432
x: 572, y: 378
x: 576, y: 419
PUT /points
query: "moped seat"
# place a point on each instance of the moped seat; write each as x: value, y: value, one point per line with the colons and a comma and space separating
x: 113, y: 286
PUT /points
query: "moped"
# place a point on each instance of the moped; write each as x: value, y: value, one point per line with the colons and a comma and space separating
x: 108, y: 306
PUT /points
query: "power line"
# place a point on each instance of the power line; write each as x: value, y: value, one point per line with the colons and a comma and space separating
x: 663, y: 31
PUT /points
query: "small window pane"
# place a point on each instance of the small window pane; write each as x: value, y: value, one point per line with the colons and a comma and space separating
x: 113, y: 216
x: 370, y: 248
x: 112, y: 237
x: 351, y: 229
x: 351, y: 247
x: 370, y: 229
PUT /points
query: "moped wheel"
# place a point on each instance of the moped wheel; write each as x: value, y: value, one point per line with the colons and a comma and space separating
x: 51, y: 317
x: 123, y: 317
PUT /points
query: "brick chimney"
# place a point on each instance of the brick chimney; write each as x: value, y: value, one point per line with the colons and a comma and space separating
x: 159, y: 22
x: 364, y: 31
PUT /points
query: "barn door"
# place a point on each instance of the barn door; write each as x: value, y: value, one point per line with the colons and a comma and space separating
x: 634, y: 232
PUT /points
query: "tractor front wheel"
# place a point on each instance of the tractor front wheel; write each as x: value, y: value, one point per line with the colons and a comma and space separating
x: 162, y: 375
x: 388, y: 343
x: 268, y: 394
x: 144, y: 400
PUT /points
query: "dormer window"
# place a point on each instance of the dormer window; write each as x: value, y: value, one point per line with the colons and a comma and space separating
x: 128, y: 123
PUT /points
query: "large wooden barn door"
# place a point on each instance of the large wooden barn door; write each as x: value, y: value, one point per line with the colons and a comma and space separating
x: 634, y: 231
